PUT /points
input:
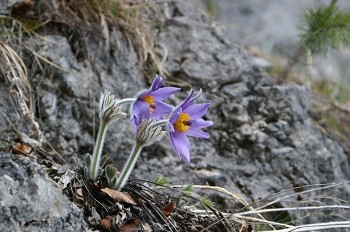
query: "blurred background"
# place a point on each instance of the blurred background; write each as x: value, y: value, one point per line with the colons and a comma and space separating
x: 271, y: 29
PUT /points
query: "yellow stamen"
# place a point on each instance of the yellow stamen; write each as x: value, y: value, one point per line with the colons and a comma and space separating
x: 150, y: 101
x: 183, y: 123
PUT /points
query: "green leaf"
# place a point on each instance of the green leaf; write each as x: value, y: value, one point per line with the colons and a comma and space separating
x: 86, y: 172
x: 161, y: 180
x: 112, y: 183
x: 110, y: 171
x: 206, y: 202
x: 104, y: 160
x: 4, y: 145
x: 325, y: 27
x: 187, y: 189
x: 87, y: 160
x: 111, y: 176
x: 99, y: 173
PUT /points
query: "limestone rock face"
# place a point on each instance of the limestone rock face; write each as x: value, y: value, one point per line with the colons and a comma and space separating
x: 30, y: 200
x: 262, y: 141
x: 69, y: 100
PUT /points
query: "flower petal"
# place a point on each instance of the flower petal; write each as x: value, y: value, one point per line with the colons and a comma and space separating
x: 181, y: 145
x: 171, y: 128
x: 174, y: 144
x: 161, y: 108
x: 196, y: 110
x: 143, y: 93
x: 198, y: 134
x: 157, y: 83
x: 175, y: 115
x: 140, y: 110
x: 200, y: 123
x: 189, y: 100
x: 163, y: 93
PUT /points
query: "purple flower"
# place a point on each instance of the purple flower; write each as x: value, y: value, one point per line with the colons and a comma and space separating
x: 149, y: 103
x: 185, y: 120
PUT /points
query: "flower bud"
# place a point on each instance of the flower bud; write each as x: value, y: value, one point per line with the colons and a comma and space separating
x: 149, y: 133
x: 109, y: 108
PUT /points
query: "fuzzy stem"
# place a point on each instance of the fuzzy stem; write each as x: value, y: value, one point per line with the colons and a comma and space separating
x: 160, y: 123
x: 126, y: 101
x: 129, y: 166
x: 96, y: 155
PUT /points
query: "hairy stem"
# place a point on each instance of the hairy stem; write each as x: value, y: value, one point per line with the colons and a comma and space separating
x: 96, y: 155
x: 129, y: 166
x: 160, y: 123
x: 126, y: 101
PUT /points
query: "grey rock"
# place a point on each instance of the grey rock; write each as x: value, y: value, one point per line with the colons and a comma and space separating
x: 69, y: 100
x: 30, y: 200
x: 262, y: 141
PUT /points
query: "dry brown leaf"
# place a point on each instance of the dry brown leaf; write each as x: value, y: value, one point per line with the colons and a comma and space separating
x: 168, y: 209
x: 106, y: 223
x: 78, y: 197
x: 79, y: 192
x: 22, y: 7
x: 21, y: 149
x: 119, y: 196
x: 134, y: 225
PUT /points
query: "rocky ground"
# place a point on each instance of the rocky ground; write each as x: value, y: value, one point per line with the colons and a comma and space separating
x: 263, y: 141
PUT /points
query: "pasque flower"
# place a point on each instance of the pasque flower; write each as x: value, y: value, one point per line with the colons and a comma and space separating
x: 149, y: 103
x: 148, y: 113
x: 109, y: 111
x: 186, y: 120
x: 148, y: 132
x: 109, y: 108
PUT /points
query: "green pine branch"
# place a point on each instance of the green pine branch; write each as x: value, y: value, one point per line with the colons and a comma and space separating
x: 325, y: 27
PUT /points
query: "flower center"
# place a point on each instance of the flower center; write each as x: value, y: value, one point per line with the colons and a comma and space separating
x: 150, y: 102
x: 182, y: 123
